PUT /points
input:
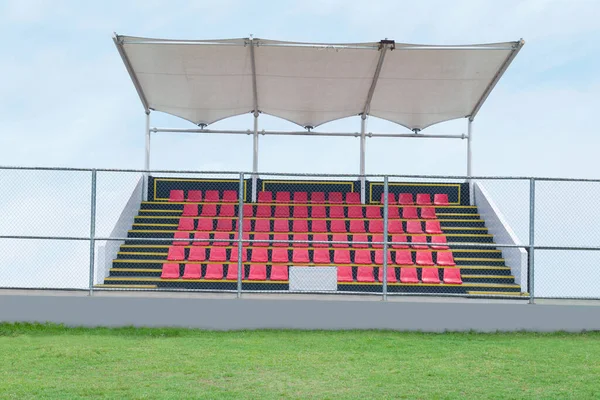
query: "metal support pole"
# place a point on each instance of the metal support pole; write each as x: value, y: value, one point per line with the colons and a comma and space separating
x: 147, y: 157
x: 92, y: 232
x: 530, y: 278
x: 385, y: 236
x: 363, y: 141
x: 255, y: 160
x: 470, y: 161
x: 240, y: 265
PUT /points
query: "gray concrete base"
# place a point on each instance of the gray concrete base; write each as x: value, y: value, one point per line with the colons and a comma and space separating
x: 208, y: 312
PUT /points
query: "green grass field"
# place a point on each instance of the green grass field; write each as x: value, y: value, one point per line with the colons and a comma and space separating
x: 49, y: 361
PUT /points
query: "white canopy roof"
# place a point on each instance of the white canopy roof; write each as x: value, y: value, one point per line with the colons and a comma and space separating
x: 310, y: 84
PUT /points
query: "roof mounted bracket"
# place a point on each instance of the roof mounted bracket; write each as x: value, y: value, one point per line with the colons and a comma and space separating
x: 202, y: 126
x: 309, y: 128
x: 416, y: 130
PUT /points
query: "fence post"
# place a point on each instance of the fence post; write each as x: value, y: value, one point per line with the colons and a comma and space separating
x: 92, y: 232
x: 530, y: 278
x: 385, y: 237
x: 240, y: 243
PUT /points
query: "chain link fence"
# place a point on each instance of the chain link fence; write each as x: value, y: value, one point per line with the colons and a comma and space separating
x: 286, y: 233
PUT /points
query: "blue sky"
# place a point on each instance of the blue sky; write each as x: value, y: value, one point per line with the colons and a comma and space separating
x: 66, y: 99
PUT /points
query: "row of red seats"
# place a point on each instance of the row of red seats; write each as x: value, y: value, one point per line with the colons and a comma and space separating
x: 301, y: 225
x: 212, y: 196
x: 258, y: 272
x: 300, y: 239
x: 319, y: 256
x: 266, y: 211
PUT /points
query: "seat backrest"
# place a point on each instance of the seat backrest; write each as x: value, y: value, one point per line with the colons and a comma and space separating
x: 261, y: 236
x: 301, y: 197
x: 205, y: 224
x: 265, y: 197
x: 404, y: 257
x: 424, y: 258
x: 352, y: 198
x: 440, y: 199
x: 357, y: 226
x: 405, y: 199
x: 262, y: 225
x: 300, y: 225
x: 318, y: 226
x: 176, y: 253
x: 409, y: 213
x: 212, y: 196
x: 423, y: 198
x: 230, y: 196
x: 194, y: 196
x: 317, y: 197
x: 391, y: 198
x: 282, y: 197
x: 335, y: 198
x: 338, y: 225
x: 176, y: 195
x: 190, y: 210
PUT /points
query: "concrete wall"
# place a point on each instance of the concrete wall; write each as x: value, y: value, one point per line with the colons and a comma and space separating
x: 232, y: 314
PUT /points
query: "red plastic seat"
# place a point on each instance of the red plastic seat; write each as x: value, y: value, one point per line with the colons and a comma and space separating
x: 339, y: 237
x: 299, y: 236
x: 430, y: 275
x: 282, y: 197
x: 279, y: 273
x: 214, y: 271
x: 227, y: 210
x: 209, y: 210
x: 192, y: 271
x: 419, y: 242
x: 408, y: 275
x: 212, y: 196
x: 433, y: 227
x: 445, y: 259
x: 409, y: 213
x: 359, y: 238
x: 363, y: 257
x: 357, y: 226
x: 245, y: 236
x: 321, y: 256
x: 452, y: 276
x: 283, y: 237
x: 317, y: 197
x: 423, y: 199
x: 259, y: 255
x: 176, y: 195
x: 404, y: 257
x: 300, y: 212
x: 414, y: 227
x: 320, y: 237
x: 232, y: 272
x: 265, y: 197
x: 428, y: 213
x: 197, y: 254
x: 439, y: 243
x: 230, y: 196
x: 233, y: 256
x: 225, y: 225
x: 300, y: 256
x: 319, y: 226
x: 391, y: 198
x: 344, y: 274
x: 221, y: 239
x: 355, y: 212
x: 376, y: 226
x: 424, y: 258
x: 391, y: 274
x: 353, y: 198
x: 393, y: 213
x: 261, y: 236
x: 336, y: 212
x: 186, y: 224
x: 194, y: 196
x: 399, y: 238
x: 379, y: 257
x: 205, y: 224
x: 395, y: 226
x: 280, y: 256
x: 300, y: 197
x: 170, y: 271
x: 335, y: 198
x: 263, y: 211
x: 341, y: 256
x: 282, y: 212
x: 405, y: 199
x: 365, y: 274
x: 176, y: 253
x: 281, y: 225
x: 300, y: 225
x: 318, y: 212
x: 217, y: 254
x: 248, y: 210
x: 375, y: 239
x: 190, y: 210
x: 373, y: 212
x: 246, y: 227
x: 258, y: 272
x: 181, y: 235
x: 202, y: 238
x: 440, y: 199
x: 262, y: 225
x: 338, y: 225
